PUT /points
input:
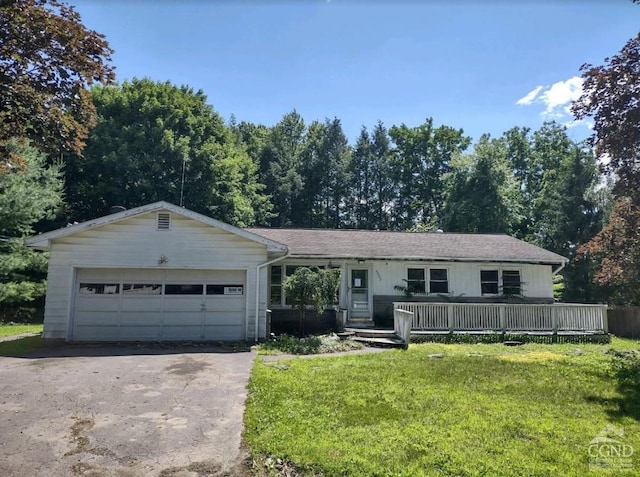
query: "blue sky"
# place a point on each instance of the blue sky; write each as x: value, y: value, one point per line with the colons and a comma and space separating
x: 481, y: 66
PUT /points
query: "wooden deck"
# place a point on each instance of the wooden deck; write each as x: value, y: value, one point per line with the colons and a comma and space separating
x: 506, y: 317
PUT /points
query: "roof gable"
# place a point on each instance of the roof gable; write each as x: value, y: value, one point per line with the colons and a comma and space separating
x: 43, y: 241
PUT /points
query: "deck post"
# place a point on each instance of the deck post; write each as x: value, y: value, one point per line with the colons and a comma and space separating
x: 554, y: 324
x: 605, y: 319
x: 402, y: 320
x: 502, y: 319
x: 450, y: 318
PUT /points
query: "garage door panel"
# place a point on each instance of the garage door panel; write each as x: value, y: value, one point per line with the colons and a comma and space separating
x: 227, y: 318
x: 223, y: 333
x: 184, y: 319
x: 142, y: 304
x: 108, y: 304
x: 179, y: 333
x: 133, y: 307
x: 107, y: 318
x: 96, y: 333
x: 182, y: 304
x: 222, y: 305
x: 148, y: 318
x: 139, y: 333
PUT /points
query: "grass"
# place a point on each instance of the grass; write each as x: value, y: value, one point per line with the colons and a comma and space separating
x: 481, y: 409
x: 310, y: 345
x: 14, y: 329
x: 20, y: 346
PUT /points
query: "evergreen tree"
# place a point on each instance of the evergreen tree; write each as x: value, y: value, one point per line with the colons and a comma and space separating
x: 280, y: 167
x: 28, y: 194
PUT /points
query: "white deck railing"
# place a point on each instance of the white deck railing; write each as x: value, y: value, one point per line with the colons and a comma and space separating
x: 506, y: 317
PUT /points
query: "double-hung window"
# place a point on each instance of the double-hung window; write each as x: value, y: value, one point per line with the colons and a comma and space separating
x: 496, y: 282
x: 511, y: 284
x: 438, y: 280
x: 415, y: 280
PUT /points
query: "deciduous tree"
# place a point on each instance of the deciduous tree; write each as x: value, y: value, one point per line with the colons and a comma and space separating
x: 422, y: 158
x: 610, y: 98
x: 156, y: 141
x: 481, y: 194
x: 48, y: 58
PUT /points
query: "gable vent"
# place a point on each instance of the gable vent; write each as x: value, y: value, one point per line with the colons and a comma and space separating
x: 164, y: 221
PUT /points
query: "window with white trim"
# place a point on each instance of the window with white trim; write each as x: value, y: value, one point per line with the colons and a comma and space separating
x: 511, y: 284
x: 489, y: 282
x: 438, y: 280
x: 500, y: 282
x: 415, y: 280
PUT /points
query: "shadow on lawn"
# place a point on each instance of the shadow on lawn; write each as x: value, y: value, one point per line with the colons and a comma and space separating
x: 625, y: 369
x: 35, y: 347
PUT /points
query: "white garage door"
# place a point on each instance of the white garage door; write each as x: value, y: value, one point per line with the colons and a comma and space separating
x: 159, y: 305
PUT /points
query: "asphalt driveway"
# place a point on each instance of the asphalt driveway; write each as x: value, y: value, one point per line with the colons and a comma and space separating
x: 123, y: 411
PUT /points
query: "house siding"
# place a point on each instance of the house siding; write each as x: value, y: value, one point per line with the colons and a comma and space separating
x: 464, y: 277
x: 464, y: 282
x: 135, y: 243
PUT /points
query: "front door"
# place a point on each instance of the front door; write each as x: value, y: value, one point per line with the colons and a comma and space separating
x: 359, y: 294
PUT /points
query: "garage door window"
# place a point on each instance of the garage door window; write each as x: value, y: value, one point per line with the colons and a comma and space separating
x: 225, y: 290
x: 99, y: 288
x: 142, y: 289
x: 183, y: 289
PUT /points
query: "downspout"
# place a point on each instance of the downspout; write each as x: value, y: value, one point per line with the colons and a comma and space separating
x: 559, y: 269
x: 258, y: 268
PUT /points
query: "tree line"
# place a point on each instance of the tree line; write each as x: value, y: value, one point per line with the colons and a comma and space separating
x: 157, y: 141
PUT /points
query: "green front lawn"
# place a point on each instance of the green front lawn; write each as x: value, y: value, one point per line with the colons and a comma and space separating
x: 20, y: 346
x: 12, y: 330
x: 482, y: 409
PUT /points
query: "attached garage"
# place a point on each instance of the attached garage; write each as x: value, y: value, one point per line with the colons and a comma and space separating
x: 156, y: 273
x: 159, y: 305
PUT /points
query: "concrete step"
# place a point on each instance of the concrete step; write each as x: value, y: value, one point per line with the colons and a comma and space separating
x: 359, y: 324
x: 386, y: 342
x: 373, y: 333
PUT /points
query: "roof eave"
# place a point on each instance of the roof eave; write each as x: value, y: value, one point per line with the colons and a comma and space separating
x: 428, y: 259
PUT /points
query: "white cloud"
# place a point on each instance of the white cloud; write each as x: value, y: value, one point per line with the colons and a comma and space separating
x: 556, y: 98
x: 531, y: 96
x: 561, y: 94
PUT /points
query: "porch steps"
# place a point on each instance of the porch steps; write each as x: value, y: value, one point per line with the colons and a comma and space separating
x: 375, y: 337
x: 358, y: 325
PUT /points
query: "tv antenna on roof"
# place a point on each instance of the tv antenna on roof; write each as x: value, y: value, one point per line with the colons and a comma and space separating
x: 184, y: 162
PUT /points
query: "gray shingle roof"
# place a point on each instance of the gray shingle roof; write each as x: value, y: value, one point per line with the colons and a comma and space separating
x: 344, y: 243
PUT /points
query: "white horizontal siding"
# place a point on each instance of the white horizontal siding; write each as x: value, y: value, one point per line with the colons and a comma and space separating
x: 464, y: 277
x: 134, y: 243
